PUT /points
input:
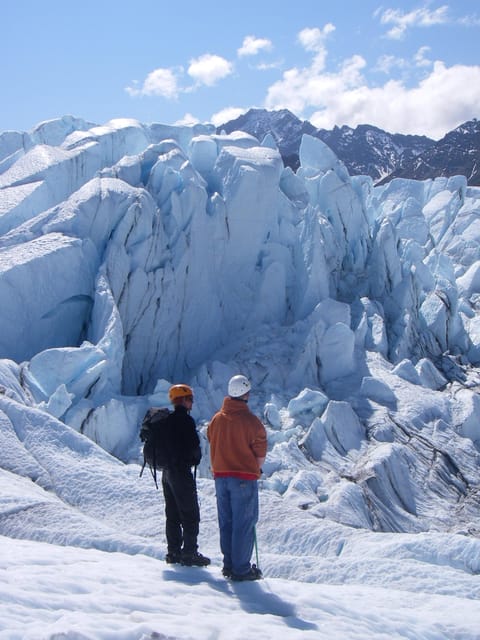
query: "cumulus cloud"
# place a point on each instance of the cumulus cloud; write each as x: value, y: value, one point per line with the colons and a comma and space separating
x: 252, y: 46
x: 209, y: 69
x: 402, y: 21
x: 396, y: 108
x: 314, y: 39
x: 160, y: 82
x: 345, y: 97
x: 303, y: 88
x: 205, y: 70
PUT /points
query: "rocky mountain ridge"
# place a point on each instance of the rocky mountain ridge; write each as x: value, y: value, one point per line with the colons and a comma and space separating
x: 368, y: 150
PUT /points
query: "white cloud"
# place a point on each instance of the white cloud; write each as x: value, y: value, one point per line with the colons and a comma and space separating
x: 160, y: 82
x: 417, y: 18
x: 387, y: 63
x: 444, y: 98
x: 225, y: 115
x: 469, y: 21
x: 313, y: 39
x: 252, y: 46
x: 205, y: 70
x: 426, y: 109
x: 187, y: 120
x: 209, y: 69
x: 421, y: 59
x: 300, y: 89
x: 266, y: 66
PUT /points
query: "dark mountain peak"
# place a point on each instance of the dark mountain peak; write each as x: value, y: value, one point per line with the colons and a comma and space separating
x: 260, y: 119
x: 286, y: 129
x: 369, y: 150
x: 468, y: 130
x: 469, y: 127
x: 263, y: 121
x: 457, y: 153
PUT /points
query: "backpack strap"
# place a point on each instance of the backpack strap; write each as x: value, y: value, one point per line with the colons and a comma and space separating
x: 149, y: 417
x: 153, y: 470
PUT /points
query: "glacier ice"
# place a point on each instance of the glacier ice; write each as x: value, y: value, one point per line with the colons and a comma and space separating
x: 133, y: 256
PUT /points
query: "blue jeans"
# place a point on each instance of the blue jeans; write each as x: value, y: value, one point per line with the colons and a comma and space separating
x: 237, y: 507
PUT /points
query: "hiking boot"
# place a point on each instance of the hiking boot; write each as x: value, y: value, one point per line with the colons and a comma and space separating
x: 173, y: 558
x: 194, y: 560
x: 253, y: 574
x: 226, y: 572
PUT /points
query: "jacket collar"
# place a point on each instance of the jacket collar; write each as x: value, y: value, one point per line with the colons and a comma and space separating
x: 235, y: 405
x: 179, y: 408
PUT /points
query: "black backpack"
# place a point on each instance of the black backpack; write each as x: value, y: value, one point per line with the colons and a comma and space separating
x: 155, y: 434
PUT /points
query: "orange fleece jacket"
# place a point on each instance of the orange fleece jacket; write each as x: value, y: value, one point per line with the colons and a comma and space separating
x: 237, y: 438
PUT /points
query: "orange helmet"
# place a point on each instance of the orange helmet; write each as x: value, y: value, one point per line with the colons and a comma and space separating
x: 179, y: 391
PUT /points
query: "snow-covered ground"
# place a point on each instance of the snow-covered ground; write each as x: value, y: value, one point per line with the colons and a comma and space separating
x: 64, y: 593
x: 101, y: 575
x: 82, y: 557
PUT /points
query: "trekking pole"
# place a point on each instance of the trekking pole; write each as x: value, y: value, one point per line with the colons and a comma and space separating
x: 256, y: 545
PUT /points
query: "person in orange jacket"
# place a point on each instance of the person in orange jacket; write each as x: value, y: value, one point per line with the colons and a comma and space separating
x: 238, y: 446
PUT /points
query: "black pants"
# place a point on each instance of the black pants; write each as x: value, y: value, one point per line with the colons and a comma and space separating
x: 181, y: 510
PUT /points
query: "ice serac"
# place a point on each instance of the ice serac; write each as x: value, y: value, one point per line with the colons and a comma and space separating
x: 48, y: 173
x: 338, y: 428
x: 46, y: 289
x: 134, y: 255
x: 341, y: 213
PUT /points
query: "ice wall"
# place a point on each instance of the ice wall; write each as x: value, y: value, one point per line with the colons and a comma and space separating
x: 132, y: 256
x: 201, y: 243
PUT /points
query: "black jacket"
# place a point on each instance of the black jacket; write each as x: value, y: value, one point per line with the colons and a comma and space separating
x: 184, y: 438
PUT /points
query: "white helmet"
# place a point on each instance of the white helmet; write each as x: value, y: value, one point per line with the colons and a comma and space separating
x: 238, y: 386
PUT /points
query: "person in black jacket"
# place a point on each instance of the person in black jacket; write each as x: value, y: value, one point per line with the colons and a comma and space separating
x: 179, y: 487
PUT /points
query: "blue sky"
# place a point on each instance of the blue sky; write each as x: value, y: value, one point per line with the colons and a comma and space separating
x: 407, y: 67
